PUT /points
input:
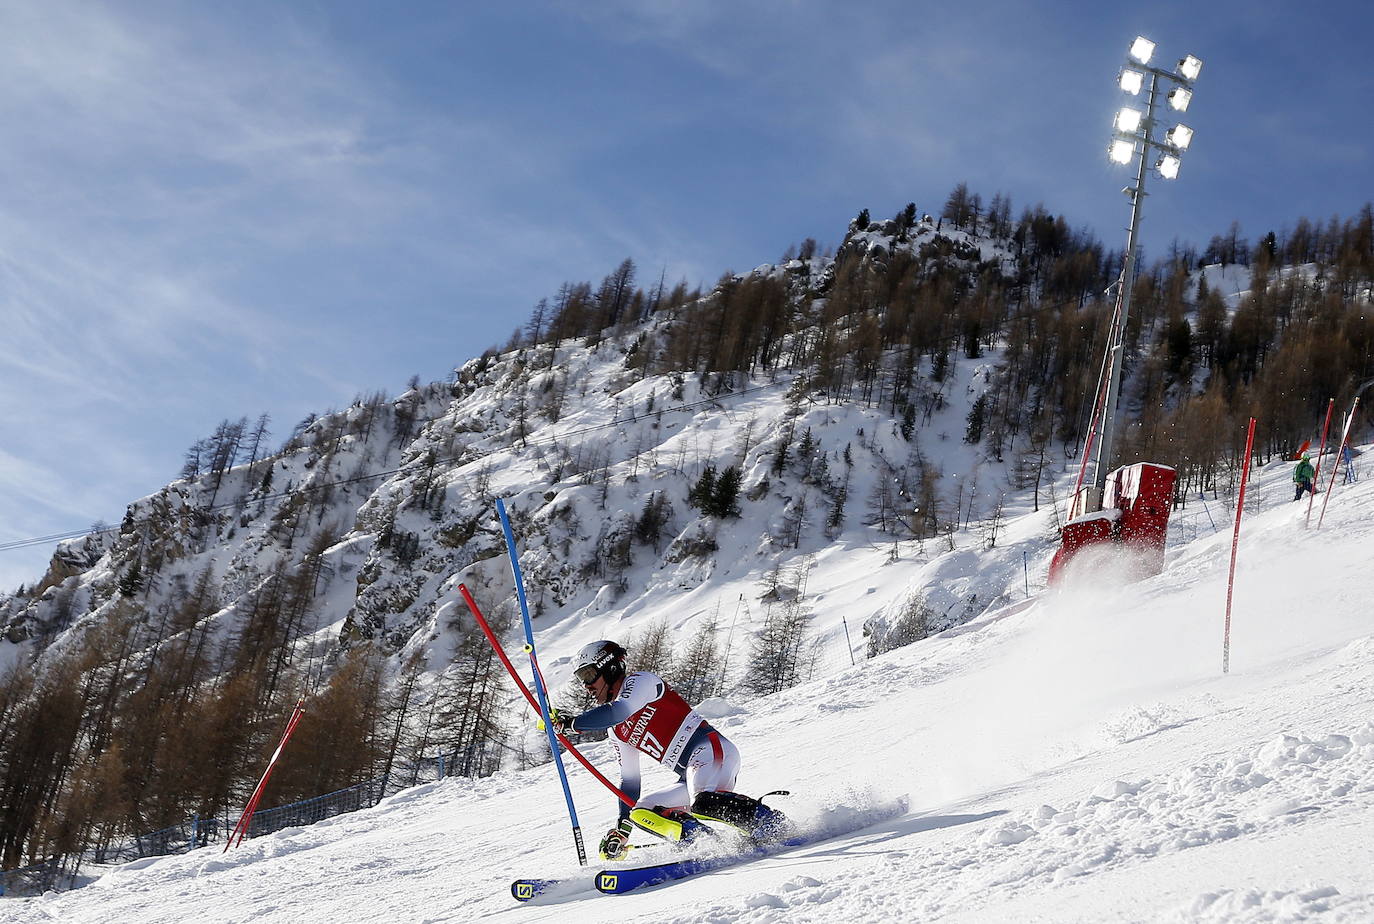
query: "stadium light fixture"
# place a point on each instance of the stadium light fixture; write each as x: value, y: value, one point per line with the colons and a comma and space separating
x: 1128, y: 120
x: 1168, y: 167
x: 1135, y: 129
x: 1121, y: 151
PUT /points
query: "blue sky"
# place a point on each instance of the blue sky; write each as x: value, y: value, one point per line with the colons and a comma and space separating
x: 210, y: 211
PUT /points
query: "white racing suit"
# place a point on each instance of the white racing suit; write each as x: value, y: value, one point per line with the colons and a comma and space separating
x: 650, y: 717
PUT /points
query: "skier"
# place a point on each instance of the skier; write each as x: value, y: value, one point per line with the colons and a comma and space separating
x: 1303, y: 475
x: 646, y: 715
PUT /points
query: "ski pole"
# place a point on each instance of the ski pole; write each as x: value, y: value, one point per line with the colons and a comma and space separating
x: 534, y: 704
x: 538, y: 682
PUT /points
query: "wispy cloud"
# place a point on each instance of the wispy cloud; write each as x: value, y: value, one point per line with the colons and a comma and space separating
x: 163, y: 161
x: 146, y: 175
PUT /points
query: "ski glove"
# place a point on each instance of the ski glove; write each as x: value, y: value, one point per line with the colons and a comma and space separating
x: 562, y: 722
x: 617, y: 841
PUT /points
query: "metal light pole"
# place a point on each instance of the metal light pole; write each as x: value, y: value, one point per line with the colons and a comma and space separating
x: 1105, y: 446
x: 1135, y: 139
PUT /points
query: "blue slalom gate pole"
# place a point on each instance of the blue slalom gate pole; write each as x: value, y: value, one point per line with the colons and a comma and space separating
x: 539, y: 690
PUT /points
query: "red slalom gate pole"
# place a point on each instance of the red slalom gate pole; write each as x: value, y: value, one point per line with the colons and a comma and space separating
x: 1316, y: 473
x: 1235, y: 544
x: 1336, y: 462
x: 534, y: 704
x: 241, y: 829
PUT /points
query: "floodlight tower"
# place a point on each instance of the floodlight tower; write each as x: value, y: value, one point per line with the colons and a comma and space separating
x: 1135, y: 138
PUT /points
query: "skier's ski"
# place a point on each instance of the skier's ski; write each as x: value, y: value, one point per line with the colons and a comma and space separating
x: 615, y: 880
x: 620, y: 881
x: 525, y: 889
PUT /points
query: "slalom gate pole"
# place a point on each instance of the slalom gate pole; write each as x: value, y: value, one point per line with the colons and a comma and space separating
x: 534, y: 704
x: 241, y: 829
x: 1345, y: 438
x: 538, y: 680
x: 1311, y: 495
x: 1235, y: 543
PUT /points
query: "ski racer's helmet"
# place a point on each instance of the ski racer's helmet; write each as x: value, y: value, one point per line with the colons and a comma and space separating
x: 1307, y: 457
x: 599, y: 659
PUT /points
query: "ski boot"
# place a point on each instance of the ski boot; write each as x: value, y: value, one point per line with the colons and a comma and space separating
x: 762, y: 824
x: 671, y: 824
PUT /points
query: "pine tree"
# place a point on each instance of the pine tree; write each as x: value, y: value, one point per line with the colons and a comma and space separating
x: 976, y: 417
x: 775, y: 655
x: 133, y: 580
x: 697, y: 673
x: 194, y: 460
x: 906, y: 220
x: 258, y: 438
x: 652, y: 648
x: 834, y: 519
x: 534, y: 328
x: 958, y: 207
x: 653, y: 519
x: 469, y: 724
x: 701, y: 495
x: 723, y: 501
x: 782, y: 454
x: 343, y: 739
x: 806, y: 448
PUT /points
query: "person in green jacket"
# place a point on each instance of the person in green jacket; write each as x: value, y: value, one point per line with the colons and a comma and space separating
x: 1303, y: 475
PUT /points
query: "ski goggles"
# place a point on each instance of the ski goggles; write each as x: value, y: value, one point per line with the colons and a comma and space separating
x: 587, y: 674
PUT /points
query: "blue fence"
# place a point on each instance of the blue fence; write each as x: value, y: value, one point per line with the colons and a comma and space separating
x: 42, y: 877
x: 309, y: 811
x: 179, y: 838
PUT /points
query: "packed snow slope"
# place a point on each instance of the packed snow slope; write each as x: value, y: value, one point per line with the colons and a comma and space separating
x: 1079, y: 758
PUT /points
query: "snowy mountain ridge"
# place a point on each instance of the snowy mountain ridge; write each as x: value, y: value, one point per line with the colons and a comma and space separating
x: 578, y: 445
